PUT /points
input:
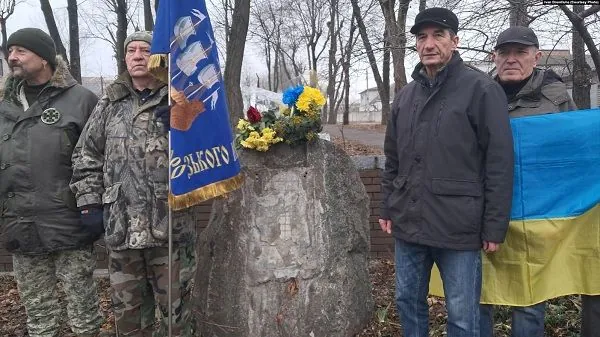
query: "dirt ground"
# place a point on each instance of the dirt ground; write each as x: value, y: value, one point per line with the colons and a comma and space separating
x: 562, y: 315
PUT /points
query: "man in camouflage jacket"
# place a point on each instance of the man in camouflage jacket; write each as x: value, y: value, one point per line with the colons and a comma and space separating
x: 120, y: 167
x: 42, y: 112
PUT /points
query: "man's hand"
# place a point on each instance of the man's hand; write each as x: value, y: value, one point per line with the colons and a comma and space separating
x: 163, y: 114
x: 490, y: 247
x: 386, y: 225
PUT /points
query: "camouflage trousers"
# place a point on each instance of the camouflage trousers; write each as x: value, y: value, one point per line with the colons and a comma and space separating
x: 37, y: 277
x: 139, y: 280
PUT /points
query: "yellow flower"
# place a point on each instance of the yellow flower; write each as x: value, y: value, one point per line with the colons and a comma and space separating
x: 310, y: 98
x: 310, y: 136
x: 247, y: 144
x: 296, y: 120
x: 242, y: 124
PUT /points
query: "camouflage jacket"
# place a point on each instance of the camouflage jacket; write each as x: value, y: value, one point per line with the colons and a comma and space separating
x: 39, y: 214
x: 121, y: 162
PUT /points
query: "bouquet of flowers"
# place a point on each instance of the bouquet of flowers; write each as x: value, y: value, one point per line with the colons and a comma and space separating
x: 297, y: 122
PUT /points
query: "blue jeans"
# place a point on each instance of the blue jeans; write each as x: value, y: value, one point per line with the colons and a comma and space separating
x: 590, y: 316
x: 461, y: 276
x: 526, y: 321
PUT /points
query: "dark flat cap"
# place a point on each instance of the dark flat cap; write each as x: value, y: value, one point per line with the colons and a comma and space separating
x: 435, y: 16
x: 520, y: 35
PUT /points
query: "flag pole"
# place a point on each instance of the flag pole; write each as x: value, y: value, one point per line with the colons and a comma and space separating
x: 170, y: 283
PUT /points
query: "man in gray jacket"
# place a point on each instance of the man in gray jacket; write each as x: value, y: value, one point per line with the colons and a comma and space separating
x: 121, y: 174
x: 42, y: 113
x: 531, y: 91
x: 447, y: 181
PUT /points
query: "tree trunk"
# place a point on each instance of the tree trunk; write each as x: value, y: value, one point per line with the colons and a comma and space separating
x: 332, y: 67
x: 148, y: 19
x: 578, y: 24
x: 53, y: 29
x: 422, y: 5
x: 121, y: 35
x: 384, y: 94
x: 235, y: 56
x: 362, y: 29
x: 74, y: 55
x: 346, y: 70
x: 581, y: 70
x: 4, y: 38
x: 399, y: 46
x: 346, y: 67
x: 518, y: 13
x: 395, y: 41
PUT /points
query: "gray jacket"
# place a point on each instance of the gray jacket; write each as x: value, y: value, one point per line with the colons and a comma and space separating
x: 448, y: 174
x: 39, y: 214
x: 545, y: 92
x: 121, y: 161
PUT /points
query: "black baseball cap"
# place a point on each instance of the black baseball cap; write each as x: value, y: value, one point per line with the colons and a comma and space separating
x: 517, y: 34
x: 435, y: 16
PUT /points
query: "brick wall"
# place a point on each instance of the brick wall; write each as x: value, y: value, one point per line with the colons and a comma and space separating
x: 382, y: 245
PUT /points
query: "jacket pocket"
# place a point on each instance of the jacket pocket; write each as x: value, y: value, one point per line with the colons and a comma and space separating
x: 115, y: 215
x: 396, y: 202
x: 160, y: 211
x: 456, y: 187
x: 459, y: 204
x: 21, y: 235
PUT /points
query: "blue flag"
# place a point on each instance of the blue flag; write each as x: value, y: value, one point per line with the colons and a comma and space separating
x: 203, y: 162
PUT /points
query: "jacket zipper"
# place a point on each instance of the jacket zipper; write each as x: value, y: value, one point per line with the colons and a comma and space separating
x: 439, y: 119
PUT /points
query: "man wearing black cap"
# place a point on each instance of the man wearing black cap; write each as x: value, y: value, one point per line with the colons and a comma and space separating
x: 42, y: 112
x: 448, y: 176
x: 530, y: 91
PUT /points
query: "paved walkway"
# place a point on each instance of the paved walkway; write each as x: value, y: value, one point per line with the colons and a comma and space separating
x: 366, y: 137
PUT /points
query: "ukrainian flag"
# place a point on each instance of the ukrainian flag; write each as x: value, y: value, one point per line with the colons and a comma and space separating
x: 552, y: 247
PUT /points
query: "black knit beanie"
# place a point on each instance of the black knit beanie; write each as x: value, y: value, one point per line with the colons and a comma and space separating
x: 35, y: 40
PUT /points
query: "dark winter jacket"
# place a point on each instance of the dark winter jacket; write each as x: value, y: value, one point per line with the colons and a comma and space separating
x: 544, y: 92
x: 39, y: 212
x: 449, y: 160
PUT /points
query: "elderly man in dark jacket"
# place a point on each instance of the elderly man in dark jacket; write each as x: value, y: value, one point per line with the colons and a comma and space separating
x: 448, y: 178
x: 531, y: 91
x: 42, y: 113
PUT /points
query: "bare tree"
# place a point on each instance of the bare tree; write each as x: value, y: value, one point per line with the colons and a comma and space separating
x: 581, y: 70
x: 53, y: 29
x: 109, y: 21
x: 518, y: 13
x: 395, y: 28
x: 334, y: 26
x: 7, y: 8
x: 346, y: 57
x: 148, y: 19
x: 312, y: 16
x: 384, y: 91
x: 578, y: 21
x: 235, y: 56
x: 74, y: 55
